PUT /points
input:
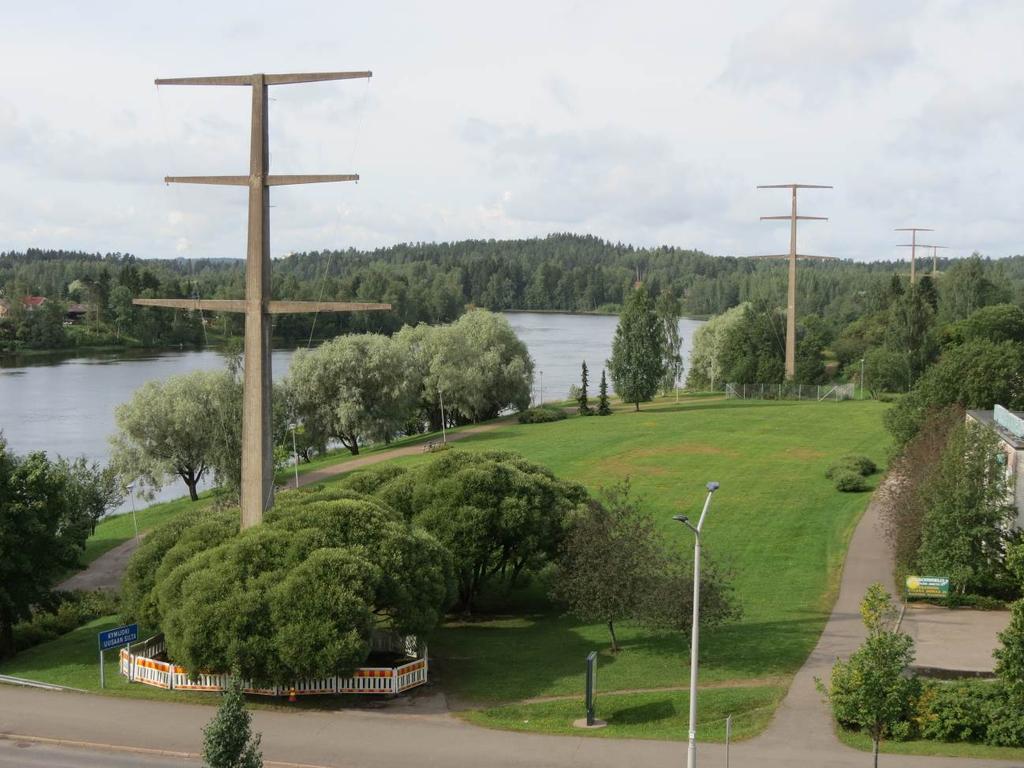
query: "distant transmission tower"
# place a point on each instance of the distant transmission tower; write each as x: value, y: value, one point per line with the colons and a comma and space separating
x: 913, y: 245
x: 935, y: 257
x: 792, y: 257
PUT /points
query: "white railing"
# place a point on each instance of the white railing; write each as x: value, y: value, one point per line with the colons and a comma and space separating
x: 142, y: 667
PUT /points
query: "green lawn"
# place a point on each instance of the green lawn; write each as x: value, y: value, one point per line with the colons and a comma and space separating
x: 931, y: 748
x: 118, y: 529
x: 776, y: 522
x: 652, y: 715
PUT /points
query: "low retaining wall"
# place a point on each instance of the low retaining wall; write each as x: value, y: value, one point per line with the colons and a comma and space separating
x: 142, y: 666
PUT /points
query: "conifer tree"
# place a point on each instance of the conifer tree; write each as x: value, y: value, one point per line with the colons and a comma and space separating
x: 227, y: 739
x: 584, y: 408
x: 603, y: 409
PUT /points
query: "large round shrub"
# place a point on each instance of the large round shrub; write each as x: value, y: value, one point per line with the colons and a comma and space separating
x: 495, y: 512
x: 295, y: 597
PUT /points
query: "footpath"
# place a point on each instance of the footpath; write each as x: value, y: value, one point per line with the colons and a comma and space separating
x: 801, y: 733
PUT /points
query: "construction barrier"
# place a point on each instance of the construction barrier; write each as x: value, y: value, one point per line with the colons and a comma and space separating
x: 140, y: 666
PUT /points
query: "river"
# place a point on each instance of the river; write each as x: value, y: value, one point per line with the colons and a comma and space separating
x: 65, y: 404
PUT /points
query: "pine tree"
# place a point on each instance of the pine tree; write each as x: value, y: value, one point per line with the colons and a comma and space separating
x: 227, y: 739
x: 637, y: 365
x: 603, y: 409
x: 584, y: 406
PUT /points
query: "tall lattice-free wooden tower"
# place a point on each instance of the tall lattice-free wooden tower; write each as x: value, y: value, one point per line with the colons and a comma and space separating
x: 257, y: 448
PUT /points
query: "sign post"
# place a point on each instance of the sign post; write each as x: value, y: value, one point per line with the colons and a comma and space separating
x: 728, y: 738
x: 591, y: 685
x: 115, y: 638
x: 927, y: 586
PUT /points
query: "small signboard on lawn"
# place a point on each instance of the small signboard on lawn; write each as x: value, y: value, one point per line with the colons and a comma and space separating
x: 927, y: 586
x: 113, y: 638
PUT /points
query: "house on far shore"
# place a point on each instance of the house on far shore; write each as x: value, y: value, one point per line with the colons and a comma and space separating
x: 75, y: 313
x: 1009, y: 428
x: 30, y: 303
x: 5, y: 307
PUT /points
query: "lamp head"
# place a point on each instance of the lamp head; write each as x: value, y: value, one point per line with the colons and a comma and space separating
x: 712, y: 486
x: 681, y: 519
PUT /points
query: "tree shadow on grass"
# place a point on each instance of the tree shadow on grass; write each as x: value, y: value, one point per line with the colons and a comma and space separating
x: 643, y: 714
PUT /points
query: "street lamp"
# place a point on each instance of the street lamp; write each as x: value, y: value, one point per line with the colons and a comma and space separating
x: 541, y: 388
x: 135, y: 521
x: 691, y: 751
x: 295, y: 452
x: 444, y: 433
x: 862, y: 378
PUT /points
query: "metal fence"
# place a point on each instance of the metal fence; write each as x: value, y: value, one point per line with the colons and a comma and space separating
x: 790, y: 391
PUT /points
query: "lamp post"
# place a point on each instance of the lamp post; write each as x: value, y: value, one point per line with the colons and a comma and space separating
x: 691, y: 750
x: 862, y: 378
x: 444, y: 433
x: 135, y: 521
x: 541, y: 388
x: 295, y: 452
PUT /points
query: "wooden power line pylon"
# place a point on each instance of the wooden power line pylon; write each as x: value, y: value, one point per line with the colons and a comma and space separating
x: 935, y: 257
x: 913, y: 245
x: 257, y: 449
x: 792, y: 257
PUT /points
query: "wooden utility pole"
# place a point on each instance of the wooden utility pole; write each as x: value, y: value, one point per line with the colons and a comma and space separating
x: 792, y: 257
x: 257, y: 449
x: 935, y: 258
x: 913, y: 246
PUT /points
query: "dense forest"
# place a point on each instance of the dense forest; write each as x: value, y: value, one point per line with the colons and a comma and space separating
x: 431, y: 282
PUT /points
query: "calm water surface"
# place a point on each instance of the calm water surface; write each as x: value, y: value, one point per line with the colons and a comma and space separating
x: 65, y: 405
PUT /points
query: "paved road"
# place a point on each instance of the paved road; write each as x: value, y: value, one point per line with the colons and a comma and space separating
x: 28, y: 754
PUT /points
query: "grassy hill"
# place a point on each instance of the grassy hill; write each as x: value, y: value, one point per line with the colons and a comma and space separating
x: 776, y: 522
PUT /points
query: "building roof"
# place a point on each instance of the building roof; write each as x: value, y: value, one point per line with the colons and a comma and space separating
x: 988, y: 419
x: 33, y: 301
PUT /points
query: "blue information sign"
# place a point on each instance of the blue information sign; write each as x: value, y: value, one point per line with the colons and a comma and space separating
x: 112, y: 638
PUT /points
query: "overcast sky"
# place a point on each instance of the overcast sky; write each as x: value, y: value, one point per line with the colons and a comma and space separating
x: 648, y: 123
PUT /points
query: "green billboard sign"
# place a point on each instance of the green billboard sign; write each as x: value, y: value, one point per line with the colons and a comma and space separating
x: 927, y: 586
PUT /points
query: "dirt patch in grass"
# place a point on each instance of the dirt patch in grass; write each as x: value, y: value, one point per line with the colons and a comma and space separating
x: 804, y: 454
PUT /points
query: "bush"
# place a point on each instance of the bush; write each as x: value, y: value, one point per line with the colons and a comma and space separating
x: 975, y: 711
x: 541, y: 414
x: 848, y: 480
x: 67, y: 611
x: 860, y: 464
x: 956, y: 711
x: 296, y: 597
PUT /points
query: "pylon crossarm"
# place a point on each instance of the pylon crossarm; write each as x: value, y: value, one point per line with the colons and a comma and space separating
x: 805, y: 256
x: 210, y: 305
x: 273, y: 307
x: 288, y: 79
x: 273, y: 180
x: 296, y: 307
x: 794, y: 186
x: 790, y: 218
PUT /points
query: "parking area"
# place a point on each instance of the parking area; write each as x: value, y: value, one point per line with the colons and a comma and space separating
x: 958, y: 640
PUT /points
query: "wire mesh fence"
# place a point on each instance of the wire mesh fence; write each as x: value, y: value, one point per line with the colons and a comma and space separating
x: 789, y: 391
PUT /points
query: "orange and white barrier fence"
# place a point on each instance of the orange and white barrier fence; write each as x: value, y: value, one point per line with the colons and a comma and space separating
x: 143, y: 668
